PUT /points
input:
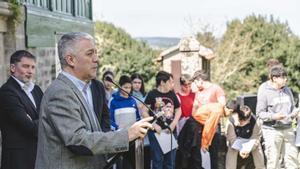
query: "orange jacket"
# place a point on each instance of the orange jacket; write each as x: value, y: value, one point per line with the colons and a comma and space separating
x: 208, y: 115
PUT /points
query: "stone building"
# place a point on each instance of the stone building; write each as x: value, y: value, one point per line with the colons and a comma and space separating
x: 36, y: 25
x: 185, y: 58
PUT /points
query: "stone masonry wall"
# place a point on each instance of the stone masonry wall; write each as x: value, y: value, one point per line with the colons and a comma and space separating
x: 45, y: 70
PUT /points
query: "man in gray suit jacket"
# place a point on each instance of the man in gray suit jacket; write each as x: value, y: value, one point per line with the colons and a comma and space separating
x: 71, y: 135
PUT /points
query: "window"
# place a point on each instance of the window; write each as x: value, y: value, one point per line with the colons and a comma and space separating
x: 77, y: 8
x: 63, y: 6
x: 38, y: 3
x: 83, y: 8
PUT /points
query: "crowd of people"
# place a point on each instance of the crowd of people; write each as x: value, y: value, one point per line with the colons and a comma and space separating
x: 80, y: 122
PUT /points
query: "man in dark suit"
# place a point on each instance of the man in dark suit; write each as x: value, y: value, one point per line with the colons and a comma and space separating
x: 19, y: 105
x: 74, y: 117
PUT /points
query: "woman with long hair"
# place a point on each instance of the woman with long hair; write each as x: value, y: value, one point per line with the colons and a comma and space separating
x: 138, y: 90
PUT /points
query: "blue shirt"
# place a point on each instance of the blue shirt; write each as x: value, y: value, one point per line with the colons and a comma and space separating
x: 123, y: 111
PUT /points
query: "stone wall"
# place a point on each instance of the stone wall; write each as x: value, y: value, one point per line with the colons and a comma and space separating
x: 2, y: 58
x: 190, y: 62
x: 4, y: 14
x: 13, y: 39
x: 45, y: 70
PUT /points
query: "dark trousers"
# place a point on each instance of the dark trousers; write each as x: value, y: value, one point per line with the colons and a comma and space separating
x: 147, y: 157
x: 247, y: 163
x: 214, y: 149
x: 160, y: 160
x: 188, y: 155
x: 193, y: 162
x: 127, y: 160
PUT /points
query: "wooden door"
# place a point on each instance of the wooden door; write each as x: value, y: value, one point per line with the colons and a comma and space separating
x: 176, y: 72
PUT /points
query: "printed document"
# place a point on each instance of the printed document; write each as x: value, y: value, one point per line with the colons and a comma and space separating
x: 164, y: 140
x: 243, y: 145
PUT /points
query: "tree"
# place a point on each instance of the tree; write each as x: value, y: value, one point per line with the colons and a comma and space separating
x: 207, y: 39
x: 245, y: 48
x: 123, y: 54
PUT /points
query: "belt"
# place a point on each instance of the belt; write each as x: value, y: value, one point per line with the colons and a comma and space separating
x: 269, y: 123
x: 277, y: 124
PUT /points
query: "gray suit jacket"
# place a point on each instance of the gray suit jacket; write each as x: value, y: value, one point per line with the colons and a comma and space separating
x: 67, y: 139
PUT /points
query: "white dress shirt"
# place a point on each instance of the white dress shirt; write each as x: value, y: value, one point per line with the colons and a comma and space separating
x: 27, y: 87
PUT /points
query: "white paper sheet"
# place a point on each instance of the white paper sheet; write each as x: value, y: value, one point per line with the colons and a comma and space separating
x: 243, y: 145
x: 164, y: 140
x: 205, y: 159
x: 181, y: 123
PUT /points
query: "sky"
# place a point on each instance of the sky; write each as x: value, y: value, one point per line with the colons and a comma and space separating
x: 179, y: 18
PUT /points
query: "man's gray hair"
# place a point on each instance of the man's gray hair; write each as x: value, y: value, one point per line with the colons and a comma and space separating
x: 67, y: 44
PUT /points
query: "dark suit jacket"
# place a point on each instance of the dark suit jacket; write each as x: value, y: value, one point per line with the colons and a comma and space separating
x: 68, y: 138
x: 19, y: 132
x: 100, y: 106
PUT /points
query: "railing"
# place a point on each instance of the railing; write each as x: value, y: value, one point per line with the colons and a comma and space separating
x: 139, y: 154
